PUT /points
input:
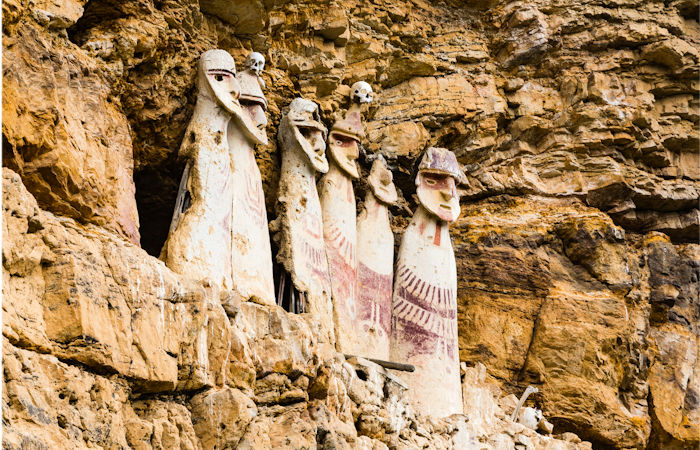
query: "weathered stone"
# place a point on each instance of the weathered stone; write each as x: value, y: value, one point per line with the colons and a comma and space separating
x: 220, y: 417
x: 65, y: 135
x: 160, y: 424
x: 609, y: 116
x: 103, y: 302
x: 581, y: 301
x: 279, y: 342
x: 50, y: 404
x: 247, y: 17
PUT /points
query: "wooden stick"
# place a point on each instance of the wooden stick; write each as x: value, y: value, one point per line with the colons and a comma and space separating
x: 280, y: 291
x: 387, y: 364
x: 302, y: 302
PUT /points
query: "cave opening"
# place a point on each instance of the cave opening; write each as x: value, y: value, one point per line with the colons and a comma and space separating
x: 156, y: 190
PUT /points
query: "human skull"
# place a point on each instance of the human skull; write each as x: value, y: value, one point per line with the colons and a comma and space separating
x: 255, y: 63
x: 362, y: 92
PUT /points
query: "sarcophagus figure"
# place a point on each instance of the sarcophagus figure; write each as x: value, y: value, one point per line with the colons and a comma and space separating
x: 424, y: 307
x: 375, y: 264
x: 298, y: 228
x: 340, y: 215
x: 251, y: 256
x: 199, y: 243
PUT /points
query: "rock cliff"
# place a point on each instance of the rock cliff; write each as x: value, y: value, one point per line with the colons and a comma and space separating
x: 577, y: 250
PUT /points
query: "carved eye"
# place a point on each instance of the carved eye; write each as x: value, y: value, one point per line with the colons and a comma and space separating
x: 219, y: 77
x: 338, y: 142
x: 430, y: 182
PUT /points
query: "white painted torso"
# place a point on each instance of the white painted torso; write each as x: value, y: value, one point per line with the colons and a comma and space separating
x: 199, y: 243
x: 251, y: 255
x: 302, y: 228
x: 424, y: 315
x: 375, y: 268
x: 340, y: 235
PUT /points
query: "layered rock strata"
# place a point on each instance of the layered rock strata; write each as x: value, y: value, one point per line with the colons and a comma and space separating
x: 590, y: 105
x: 106, y: 347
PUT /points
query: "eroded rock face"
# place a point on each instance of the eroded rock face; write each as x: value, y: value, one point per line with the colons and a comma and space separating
x: 259, y: 380
x: 88, y: 297
x: 64, y: 132
x: 555, y: 295
x: 590, y: 101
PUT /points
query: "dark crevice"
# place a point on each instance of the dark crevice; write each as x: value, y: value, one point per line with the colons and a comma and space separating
x: 535, y: 326
x: 156, y: 191
x: 96, y: 12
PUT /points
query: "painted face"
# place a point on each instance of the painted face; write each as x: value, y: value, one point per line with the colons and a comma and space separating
x: 219, y: 70
x: 381, y: 181
x: 308, y: 131
x: 256, y: 119
x: 313, y: 144
x: 344, y: 151
x: 254, y: 105
x: 438, y: 194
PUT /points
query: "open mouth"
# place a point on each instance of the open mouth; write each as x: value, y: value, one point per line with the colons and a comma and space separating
x: 445, y: 206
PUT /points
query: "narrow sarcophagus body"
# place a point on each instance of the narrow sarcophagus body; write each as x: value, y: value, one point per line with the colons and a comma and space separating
x: 340, y: 236
x: 340, y: 218
x: 424, y: 307
x: 299, y: 223
x: 199, y: 242
x: 375, y: 265
x: 204, y: 240
x: 251, y: 255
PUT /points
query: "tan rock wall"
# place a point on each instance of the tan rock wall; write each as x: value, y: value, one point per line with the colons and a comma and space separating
x: 583, y: 114
x: 555, y: 295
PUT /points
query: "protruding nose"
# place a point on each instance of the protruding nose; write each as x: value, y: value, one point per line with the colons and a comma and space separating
x: 446, y: 194
x: 235, y: 89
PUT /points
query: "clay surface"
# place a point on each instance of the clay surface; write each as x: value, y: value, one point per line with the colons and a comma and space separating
x: 424, y: 307
x: 251, y: 255
x: 219, y: 228
x: 339, y: 217
x: 199, y: 243
x: 375, y: 265
x: 299, y: 223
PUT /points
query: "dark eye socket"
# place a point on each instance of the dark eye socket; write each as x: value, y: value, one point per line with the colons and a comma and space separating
x: 306, y: 132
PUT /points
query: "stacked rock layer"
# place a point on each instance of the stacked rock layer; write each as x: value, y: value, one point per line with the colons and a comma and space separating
x: 577, y: 255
